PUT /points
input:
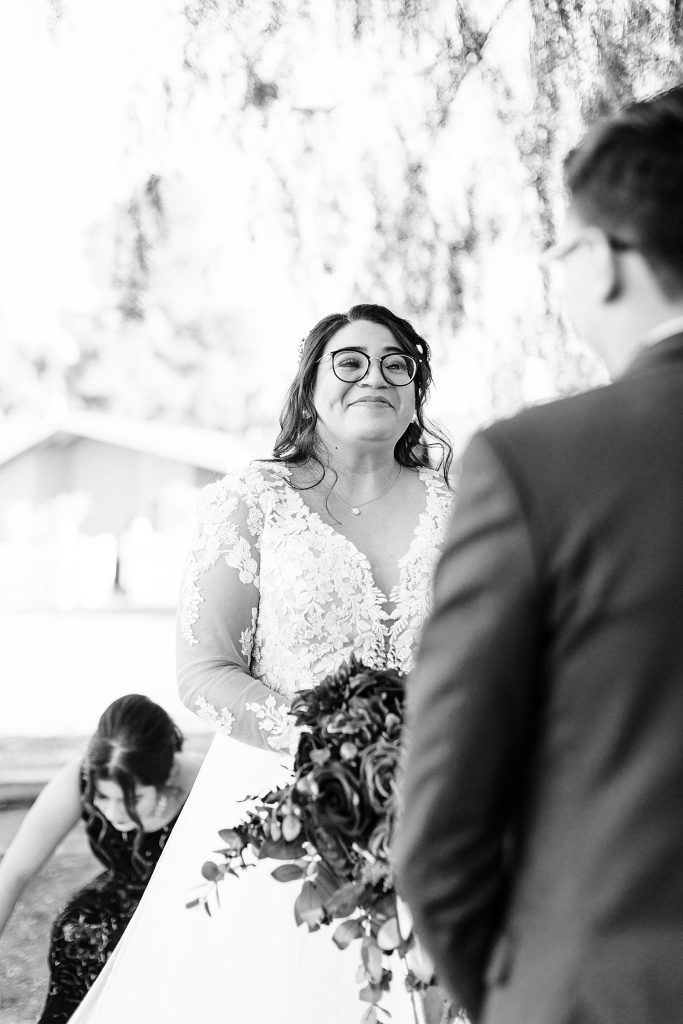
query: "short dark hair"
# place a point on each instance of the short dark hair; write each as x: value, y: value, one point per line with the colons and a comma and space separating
x: 297, y: 441
x: 134, y: 744
x: 626, y: 177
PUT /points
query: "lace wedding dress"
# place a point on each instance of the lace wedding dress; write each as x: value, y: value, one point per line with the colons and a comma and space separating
x: 273, y: 600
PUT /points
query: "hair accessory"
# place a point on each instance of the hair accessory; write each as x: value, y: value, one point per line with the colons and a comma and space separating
x: 300, y: 350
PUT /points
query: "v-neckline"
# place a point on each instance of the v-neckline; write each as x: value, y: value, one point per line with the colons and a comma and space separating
x: 425, y: 476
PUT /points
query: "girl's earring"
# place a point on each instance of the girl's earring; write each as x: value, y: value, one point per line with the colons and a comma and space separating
x: 161, y: 805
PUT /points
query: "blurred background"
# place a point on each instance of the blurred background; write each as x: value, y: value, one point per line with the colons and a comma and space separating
x: 185, y: 189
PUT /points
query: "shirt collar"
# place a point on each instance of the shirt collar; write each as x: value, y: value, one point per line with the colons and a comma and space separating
x: 666, y: 329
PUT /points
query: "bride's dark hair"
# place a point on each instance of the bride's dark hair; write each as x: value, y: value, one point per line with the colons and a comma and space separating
x: 134, y: 744
x: 298, y: 440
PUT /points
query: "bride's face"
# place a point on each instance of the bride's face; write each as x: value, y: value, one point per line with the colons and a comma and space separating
x: 370, y: 410
x: 110, y: 801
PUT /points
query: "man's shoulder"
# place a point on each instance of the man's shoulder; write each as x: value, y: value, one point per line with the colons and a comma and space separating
x: 573, y: 438
x: 550, y: 420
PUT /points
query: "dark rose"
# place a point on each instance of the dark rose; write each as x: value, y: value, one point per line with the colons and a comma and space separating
x: 355, y: 723
x: 379, y: 843
x: 385, y: 682
x: 339, y: 806
x: 378, y: 764
x: 385, y: 714
x: 310, y: 706
x: 351, y: 683
x: 334, y: 851
x: 308, y: 743
x: 393, y: 726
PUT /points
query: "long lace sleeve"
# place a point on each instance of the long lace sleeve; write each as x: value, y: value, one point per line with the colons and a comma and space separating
x: 219, y: 604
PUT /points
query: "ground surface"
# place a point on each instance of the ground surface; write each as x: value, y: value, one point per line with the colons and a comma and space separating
x: 23, y: 947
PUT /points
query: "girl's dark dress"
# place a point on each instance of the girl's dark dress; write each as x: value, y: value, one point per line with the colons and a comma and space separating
x: 88, y: 928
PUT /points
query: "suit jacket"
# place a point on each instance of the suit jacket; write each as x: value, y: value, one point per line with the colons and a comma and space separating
x: 540, y: 840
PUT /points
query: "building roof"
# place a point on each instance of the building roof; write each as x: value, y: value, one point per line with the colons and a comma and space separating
x: 214, y: 450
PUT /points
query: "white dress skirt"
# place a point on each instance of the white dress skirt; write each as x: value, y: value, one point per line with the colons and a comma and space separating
x: 248, y: 962
x: 273, y: 600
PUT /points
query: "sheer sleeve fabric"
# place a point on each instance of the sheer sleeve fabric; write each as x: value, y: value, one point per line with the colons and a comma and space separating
x: 219, y: 605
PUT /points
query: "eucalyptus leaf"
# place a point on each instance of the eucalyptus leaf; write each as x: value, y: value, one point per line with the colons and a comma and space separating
x: 346, y: 932
x: 281, y: 850
x: 389, y: 937
x: 288, y: 872
x: 345, y: 900
x: 327, y: 883
x: 232, y: 839
x: 370, y: 994
x: 211, y: 871
x: 308, y: 907
x: 371, y: 956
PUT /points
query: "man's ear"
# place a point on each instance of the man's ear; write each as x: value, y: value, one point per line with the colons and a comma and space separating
x: 606, y: 280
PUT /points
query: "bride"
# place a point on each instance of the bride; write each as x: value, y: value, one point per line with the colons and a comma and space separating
x: 297, y: 562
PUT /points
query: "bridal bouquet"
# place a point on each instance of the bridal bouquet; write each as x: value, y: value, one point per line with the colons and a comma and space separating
x: 331, y: 826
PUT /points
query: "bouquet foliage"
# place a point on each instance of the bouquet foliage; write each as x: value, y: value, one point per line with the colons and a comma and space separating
x: 331, y: 827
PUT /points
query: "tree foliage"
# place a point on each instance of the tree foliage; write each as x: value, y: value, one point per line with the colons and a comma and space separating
x: 399, y: 151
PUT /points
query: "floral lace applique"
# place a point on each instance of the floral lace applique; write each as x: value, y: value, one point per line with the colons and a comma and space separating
x: 240, y: 557
x: 247, y: 637
x: 218, y: 535
x: 223, y: 720
x: 317, y: 600
x: 275, y: 721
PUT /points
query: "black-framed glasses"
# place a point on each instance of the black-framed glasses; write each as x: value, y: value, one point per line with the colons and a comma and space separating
x: 352, y: 364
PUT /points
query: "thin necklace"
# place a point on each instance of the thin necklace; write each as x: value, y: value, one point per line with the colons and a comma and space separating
x: 355, y: 509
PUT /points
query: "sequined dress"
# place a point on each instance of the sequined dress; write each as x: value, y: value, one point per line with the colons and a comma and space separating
x: 273, y: 600
x: 89, y: 927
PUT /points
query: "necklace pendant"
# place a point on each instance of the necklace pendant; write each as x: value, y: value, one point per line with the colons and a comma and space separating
x: 355, y: 511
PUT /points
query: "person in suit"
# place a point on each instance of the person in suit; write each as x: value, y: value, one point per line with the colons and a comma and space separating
x: 540, y: 839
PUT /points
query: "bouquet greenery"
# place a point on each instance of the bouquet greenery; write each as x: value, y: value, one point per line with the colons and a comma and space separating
x: 331, y: 827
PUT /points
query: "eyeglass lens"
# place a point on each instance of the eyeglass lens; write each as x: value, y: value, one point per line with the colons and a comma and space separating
x: 396, y: 367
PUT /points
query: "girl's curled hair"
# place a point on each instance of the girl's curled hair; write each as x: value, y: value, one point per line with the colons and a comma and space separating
x: 134, y: 744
